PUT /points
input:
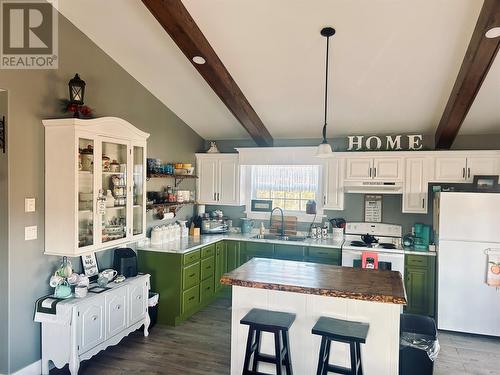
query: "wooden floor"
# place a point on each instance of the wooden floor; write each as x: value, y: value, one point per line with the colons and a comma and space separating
x: 202, y: 346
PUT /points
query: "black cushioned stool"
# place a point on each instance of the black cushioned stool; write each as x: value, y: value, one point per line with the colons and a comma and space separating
x: 277, y: 323
x: 352, y: 333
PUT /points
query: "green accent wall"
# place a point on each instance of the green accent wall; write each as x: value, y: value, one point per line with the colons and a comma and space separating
x: 34, y: 95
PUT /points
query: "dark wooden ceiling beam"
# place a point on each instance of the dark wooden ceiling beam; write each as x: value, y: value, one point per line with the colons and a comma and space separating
x: 475, y: 66
x: 178, y: 23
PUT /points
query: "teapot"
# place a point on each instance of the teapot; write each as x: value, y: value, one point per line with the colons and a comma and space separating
x: 368, y: 239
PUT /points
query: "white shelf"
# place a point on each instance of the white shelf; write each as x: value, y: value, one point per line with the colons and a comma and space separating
x: 115, y: 207
x: 109, y: 173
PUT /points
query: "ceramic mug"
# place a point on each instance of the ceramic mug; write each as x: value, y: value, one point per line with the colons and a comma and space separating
x: 55, y: 280
x: 80, y: 291
x: 109, y: 274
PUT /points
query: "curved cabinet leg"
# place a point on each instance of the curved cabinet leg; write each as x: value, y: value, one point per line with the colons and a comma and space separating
x: 147, y: 321
x: 74, y: 365
x: 45, y: 366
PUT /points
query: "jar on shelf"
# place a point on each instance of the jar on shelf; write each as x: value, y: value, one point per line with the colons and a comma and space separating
x: 87, y: 155
x: 105, y: 163
x: 114, y: 166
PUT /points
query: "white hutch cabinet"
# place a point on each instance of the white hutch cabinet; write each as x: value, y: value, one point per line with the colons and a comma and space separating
x: 95, y: 184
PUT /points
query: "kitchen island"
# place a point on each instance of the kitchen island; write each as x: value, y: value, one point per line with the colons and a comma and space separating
x: 312, y: 290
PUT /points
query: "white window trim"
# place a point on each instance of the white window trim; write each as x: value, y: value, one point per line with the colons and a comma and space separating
x: 301, y: 216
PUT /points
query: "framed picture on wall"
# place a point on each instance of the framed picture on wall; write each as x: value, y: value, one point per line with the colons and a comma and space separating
x: 90, y: 267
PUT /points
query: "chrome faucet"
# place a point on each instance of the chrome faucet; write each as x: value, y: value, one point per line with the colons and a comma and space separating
x: 282, y: 221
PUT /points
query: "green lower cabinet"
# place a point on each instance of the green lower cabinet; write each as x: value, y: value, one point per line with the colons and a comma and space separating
x: 420, y: 284
x: 324, y: 255
x: 207, y: 290
x: 190, y: 299
x: 289, y: 252
x: 220, y: 264
x: 232, y: 255
x: 257, y: 250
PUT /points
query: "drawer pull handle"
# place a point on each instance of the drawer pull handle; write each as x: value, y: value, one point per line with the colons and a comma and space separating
x: 94, y: 318
x: 208, y: 288
x: 192, y: 298
x: 192, y: 275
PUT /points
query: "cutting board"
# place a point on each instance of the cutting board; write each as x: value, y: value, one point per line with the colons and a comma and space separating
x: 290, y: 225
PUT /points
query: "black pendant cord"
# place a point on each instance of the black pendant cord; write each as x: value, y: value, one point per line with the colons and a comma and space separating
x: 326, y: 88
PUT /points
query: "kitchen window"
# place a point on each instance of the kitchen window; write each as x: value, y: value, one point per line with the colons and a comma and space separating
x: 288, y: 186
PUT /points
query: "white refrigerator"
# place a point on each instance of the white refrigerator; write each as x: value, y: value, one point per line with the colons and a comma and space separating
x: 466, y: 224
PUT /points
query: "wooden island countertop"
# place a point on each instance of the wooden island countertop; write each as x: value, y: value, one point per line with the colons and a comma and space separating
x: 319, y: 279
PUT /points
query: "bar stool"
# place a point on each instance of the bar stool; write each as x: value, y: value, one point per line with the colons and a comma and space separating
x: 274, y: 322
x: 345, y: 331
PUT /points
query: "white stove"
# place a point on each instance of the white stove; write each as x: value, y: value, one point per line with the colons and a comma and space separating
x: 388, y: 245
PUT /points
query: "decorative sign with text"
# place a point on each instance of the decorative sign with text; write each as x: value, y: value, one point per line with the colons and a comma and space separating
x: 410, y: 142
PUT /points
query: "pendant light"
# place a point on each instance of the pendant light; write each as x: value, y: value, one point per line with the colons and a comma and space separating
x: 324, y: 149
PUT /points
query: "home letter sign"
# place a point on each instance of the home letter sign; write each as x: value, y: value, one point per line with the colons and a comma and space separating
x: 392, y: 142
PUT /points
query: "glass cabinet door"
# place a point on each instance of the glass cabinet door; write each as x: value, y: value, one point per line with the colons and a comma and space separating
x: 113, y: 193
x: 138, y: 190
x: 85, y: 192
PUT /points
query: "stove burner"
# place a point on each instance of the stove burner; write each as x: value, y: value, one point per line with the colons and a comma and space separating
x: 358, y: 244
x: 387, y: 245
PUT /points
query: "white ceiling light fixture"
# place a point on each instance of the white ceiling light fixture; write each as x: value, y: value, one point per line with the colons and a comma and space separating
x: 199, y: 60
x: 324, y: 149
x: 494, y: 32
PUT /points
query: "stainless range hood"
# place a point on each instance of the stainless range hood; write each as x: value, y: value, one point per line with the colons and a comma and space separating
x: 374, y: 187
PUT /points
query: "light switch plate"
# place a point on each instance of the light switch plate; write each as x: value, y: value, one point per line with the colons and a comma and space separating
x: 29, y: 204
x: 30, y: 233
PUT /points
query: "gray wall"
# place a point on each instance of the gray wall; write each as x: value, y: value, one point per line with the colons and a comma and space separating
x: 4, y: 246
x: 34, y: 96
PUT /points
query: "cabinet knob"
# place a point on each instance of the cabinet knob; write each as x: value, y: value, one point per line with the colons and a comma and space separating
x: 94, y: 318
x: 118, y: 307
x: 139, y: 297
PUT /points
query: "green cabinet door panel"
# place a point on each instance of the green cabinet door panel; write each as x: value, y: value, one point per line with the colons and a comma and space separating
x: 232, y: 255
x: 220, y: 264
x: 191, y: 257
x: 208, y: 251
x: 324, y: 255
x: 420, y: 284
x: 207, y: 268
x: 207, y: 290
x: 258, y: 250
x: 191, y: 276
x: 190, y: 299
x: 289, y: 252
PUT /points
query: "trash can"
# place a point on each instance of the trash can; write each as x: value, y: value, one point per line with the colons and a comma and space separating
x: 419, y: 345
x: 153, y: 307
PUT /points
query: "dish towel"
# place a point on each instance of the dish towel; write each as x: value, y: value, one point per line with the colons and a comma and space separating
x: 493, y: 273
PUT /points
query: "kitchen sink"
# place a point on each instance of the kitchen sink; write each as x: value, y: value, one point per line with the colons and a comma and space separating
x: 278, y: 237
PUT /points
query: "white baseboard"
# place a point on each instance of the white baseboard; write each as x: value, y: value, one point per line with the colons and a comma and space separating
x: 34, y: 369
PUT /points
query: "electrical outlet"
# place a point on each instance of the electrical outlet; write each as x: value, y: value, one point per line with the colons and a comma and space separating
x: 30, y: 233
x: 29, y: 204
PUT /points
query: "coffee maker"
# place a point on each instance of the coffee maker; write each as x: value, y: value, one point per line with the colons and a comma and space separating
x: 422, y: 236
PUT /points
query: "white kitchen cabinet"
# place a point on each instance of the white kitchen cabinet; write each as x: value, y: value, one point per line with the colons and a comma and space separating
x: 415, y: 187
x: 387, y: 169
x: 463, y: 168
x: 380, y: 168
x: 359, y: 168
x: 450, y: 168
x: 218, y: 179
x: 333, y: 188
x: 482, y: 165
x: 79, y: 328
x: 85, y: 160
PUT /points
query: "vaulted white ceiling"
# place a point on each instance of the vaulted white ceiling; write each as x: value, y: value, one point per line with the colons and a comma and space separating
x: 393, y: 62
